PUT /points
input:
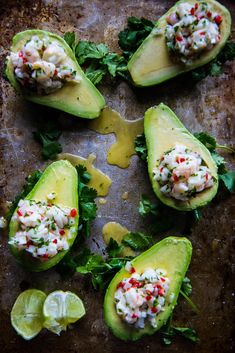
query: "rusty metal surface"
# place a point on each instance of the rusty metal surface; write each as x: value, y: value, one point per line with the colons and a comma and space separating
x: 208, y: 105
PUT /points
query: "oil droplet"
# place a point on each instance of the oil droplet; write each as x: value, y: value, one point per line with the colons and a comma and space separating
x: 99, y: 181
x: 116, y: 231
x: 125, y: 195
x: 102, y: 201
x: 125, y: 131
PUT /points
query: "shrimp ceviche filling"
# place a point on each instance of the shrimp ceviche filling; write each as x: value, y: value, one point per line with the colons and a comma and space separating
x: 43, y: 229
x: 191, y: 30
x: 42, y: 65
x: 141, y: 297
x: 181, y: 173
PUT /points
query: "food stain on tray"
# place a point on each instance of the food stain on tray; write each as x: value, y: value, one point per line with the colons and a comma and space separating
x: 117, y: 231
x: 125, y: 131
x: 99, y: 181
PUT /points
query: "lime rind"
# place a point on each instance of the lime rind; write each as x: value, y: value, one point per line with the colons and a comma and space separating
x: 61, y: 309
x: 26, y: 314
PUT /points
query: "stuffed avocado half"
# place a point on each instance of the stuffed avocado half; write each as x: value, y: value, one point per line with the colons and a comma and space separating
x: 181, y: 169
x: 159, y: 58
x: 43, y: 67
x: 45, y: 224
x: 155, y: 276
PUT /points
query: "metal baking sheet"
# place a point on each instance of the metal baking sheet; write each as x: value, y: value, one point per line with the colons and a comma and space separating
x: 207, y: 105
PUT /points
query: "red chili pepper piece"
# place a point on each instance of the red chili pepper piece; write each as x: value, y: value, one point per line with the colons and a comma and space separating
x: 148, y: 297
x: 161, y: 169
x: 121, y: 285
x: 159, y: 286
x: 196, y: 6
x: 132, y: 270
x: 218, y: 19
x: 207, y: 176
x: 20, y: 54
x: 175, y: 178
x: 62, y: 232
x: 45, y: 256
x: 179, y: 38
x: 209, y: 14
x: 19, y: 213
x: 154, y: 310
x: 134, y: 316
x: 55, y: 241
x: 161, y: 292
x: 202, y: 33
x: 73, y: 212
x: 192, y: 11
x: 162, y: 279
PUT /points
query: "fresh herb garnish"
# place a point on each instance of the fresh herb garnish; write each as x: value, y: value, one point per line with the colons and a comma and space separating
x: 226, y: 177
x: 87, y: 205
x: 48, y: 138
x: 132, y: 36
x: 114, y: 249
x: 99, y: 269
x: 96, y: 60
x: 137, y: 240
x: 186, y: 286
x: 169, y: 332
x: 31, y: 180
x: 140, y: 147
x: 215, y: 67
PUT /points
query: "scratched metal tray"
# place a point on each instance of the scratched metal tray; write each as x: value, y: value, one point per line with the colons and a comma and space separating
x: 208, y: 105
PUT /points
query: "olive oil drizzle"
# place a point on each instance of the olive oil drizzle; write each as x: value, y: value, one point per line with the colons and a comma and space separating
x: 99, y: 181
x: 110, y: 121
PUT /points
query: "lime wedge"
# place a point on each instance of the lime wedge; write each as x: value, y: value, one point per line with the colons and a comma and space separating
x: 61, y: 309
x: 26, y: 314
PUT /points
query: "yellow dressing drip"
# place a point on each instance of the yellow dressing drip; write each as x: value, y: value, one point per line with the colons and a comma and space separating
x: 125, y: 131
x: 117, y: 231
x: 99, y: 181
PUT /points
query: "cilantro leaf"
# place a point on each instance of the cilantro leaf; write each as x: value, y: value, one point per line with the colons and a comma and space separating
x: 132, y: 36
x: 147, y: 207
x: 186, y: 286
x: 168, y: 332
x: 87, y: 205
x: 207, y: 140
x: 96, y: 60
x: 31, y: 180
x: 137, y: 241
x: 140, y: 147
x: 113, y: 249
x: 228, y: 180
x: 47, y: 137
x: 69, y: 37
x: 226, y: 177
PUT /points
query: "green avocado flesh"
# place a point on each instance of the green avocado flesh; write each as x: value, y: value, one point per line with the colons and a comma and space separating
x: 163, y: 130
x: 80, y: 99
x: 172, y: 254
x: 152, y: 64
x: 59, y: 177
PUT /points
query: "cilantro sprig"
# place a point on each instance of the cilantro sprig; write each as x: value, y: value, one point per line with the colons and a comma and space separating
x: 48, y: 136
x: 96, y: 59
x: 226, y: 177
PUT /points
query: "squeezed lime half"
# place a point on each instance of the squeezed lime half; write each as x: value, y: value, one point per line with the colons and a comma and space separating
x: 61, y: 309
x: 27, y: 313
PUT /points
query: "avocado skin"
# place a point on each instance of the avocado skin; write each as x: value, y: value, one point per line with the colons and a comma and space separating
x: 172, y: 254
x: 148, y: 70
x: 71, y: 98
x: 53, y: 175
x: 162, y: 130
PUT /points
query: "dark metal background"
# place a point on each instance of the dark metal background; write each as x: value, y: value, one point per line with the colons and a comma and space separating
x: 208, y: 105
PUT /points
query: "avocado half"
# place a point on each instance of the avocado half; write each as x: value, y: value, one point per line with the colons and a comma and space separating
x: 152, y: 64
x: 173, y: 254
x: 162, y: 131
x: 80, y: 99
x: 60, y: 177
